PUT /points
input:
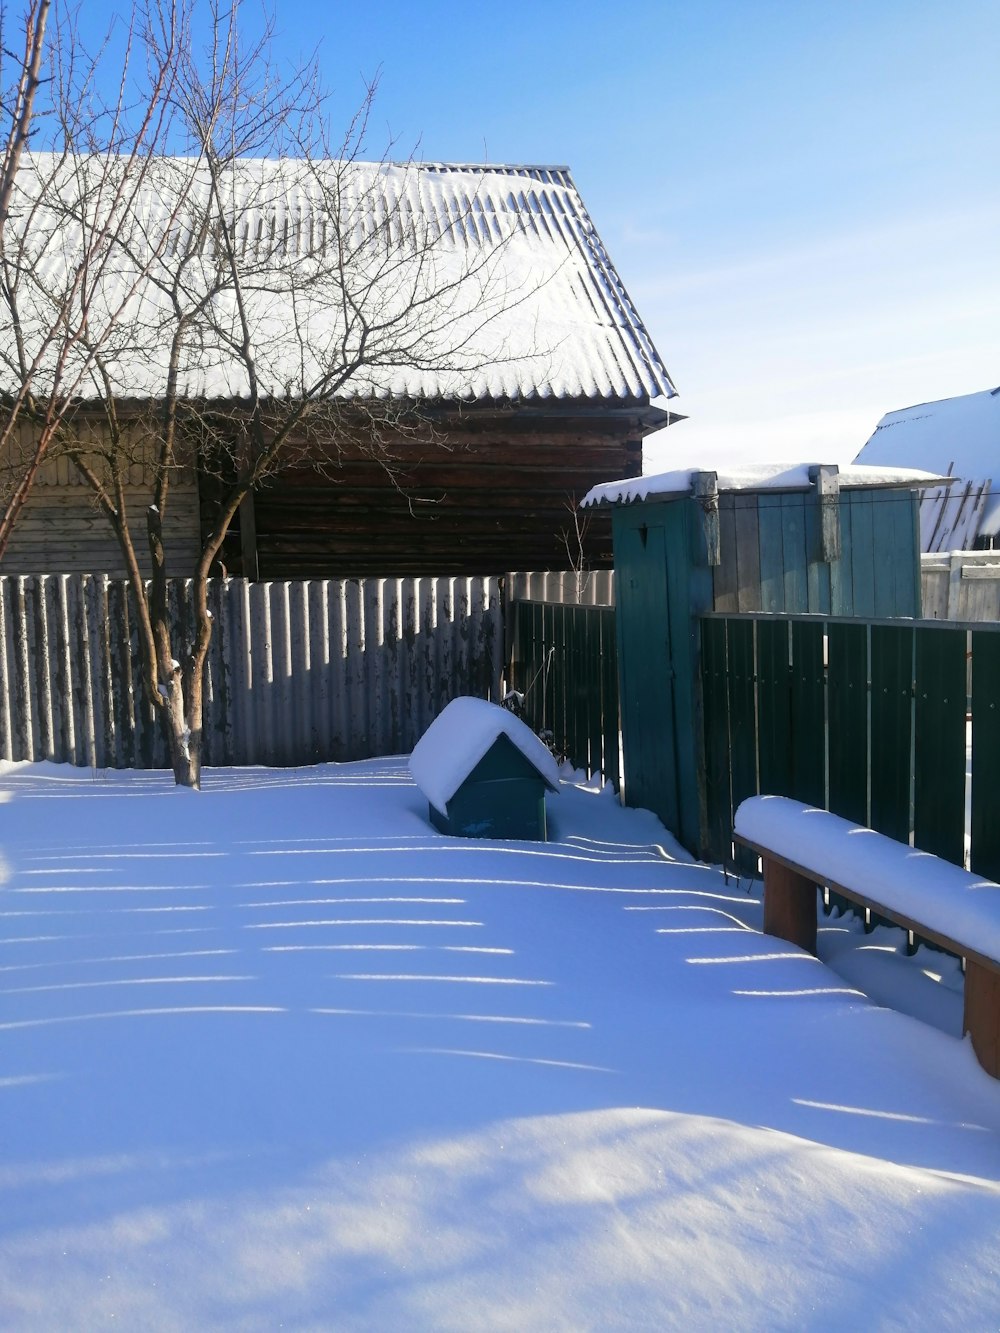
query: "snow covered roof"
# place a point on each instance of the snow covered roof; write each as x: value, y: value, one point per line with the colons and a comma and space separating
x: 758, y: 477
x: 958, y: 436
x: 514, y: 295
x: 460, y: 736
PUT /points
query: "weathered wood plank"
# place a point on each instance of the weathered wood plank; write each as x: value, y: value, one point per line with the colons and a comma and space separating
x: 789, y: 905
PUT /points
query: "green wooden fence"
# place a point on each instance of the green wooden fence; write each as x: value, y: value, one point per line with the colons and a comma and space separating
x: 564, y: 661
x: 868, y: 719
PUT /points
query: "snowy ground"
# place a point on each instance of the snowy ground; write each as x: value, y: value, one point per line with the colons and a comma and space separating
x: 278, y: 1055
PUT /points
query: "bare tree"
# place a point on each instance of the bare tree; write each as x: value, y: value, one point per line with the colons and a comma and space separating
x: 60, y: 212
x: 19, y: 95
x: 263, y: 302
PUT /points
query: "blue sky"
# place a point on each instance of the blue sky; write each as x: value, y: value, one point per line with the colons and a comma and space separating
x: 802, y: 199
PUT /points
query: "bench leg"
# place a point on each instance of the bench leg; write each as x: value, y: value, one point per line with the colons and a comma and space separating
x: 982, y: 1015
x: 789, y: 906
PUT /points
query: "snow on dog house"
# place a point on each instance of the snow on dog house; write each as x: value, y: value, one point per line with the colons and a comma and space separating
x: 484, y: 773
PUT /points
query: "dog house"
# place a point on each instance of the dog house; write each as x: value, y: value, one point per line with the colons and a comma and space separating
x: 484, y: 772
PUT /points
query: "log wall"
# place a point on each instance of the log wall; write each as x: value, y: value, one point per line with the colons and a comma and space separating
x: 482, y: 496
x: 62, y: 531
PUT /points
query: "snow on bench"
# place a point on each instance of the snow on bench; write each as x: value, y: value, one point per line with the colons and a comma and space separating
x: 801, y: 847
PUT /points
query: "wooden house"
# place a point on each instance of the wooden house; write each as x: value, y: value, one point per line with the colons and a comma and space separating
x: 481, y: 460
x: 484, y: 772
x: 958, y: 438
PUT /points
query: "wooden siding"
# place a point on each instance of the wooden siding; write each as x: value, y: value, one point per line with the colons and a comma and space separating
x: 487, y: 493
x: 474, y: 494
x: 61, y: 530
x: 964, y: 585
x: 772, y: 557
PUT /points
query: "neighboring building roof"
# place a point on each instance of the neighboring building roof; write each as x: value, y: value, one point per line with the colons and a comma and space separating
x: 959, y: 437
x: 544, y: 316
x: 759, y: 477
x: 460, y: 736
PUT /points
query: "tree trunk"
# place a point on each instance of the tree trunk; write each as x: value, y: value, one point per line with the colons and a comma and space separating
x: 185, y: 759
x: 183, y: 711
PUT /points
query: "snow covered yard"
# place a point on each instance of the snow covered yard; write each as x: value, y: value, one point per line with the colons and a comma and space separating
x: 279, y: 1055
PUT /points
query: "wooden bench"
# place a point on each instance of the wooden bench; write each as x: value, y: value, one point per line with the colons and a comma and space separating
x: 801, y: 848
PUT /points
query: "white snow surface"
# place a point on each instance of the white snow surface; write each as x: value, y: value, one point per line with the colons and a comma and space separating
x: 944, y: 897
x: 460, y: 736
x: 276, y: 1054
x: 753, y: 477
x: 960, y: 435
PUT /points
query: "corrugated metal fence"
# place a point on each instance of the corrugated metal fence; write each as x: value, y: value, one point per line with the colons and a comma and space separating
x: 589, y: 587
x: 298, y: 672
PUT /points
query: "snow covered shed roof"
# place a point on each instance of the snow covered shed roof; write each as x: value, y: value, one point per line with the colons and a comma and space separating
x: 481, y: 283
x: 759, y: 477
x: 958, y: 436
x: 460, y: 736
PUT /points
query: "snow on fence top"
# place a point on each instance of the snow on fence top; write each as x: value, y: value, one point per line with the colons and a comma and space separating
x: 761, y: 477
x: 943, y: 897
x: 460, y: 736
x: 451, y: 281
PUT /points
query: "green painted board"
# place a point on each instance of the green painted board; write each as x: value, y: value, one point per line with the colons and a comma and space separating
x: 848, y: 712
x: 576, y: 653
x: 774, y: 749
x: 747, y: 552
x: 742, y: 721
x: 862, y: 571
x: 535, y: 702
x: 818, y: 589
x: 689, y: 590
x: 808, y: 713
x: 591, y: 654
x: 841, y: 585
x: 794, y: 554
x: 888, y: 560
x: 939, y: 743
x: 896, y: 554
x: 772, y: 562
x: 985, y: 852
x: 891, y: 729
x: 647, y: 704
x: 610, y: 721
x: 559, y: 677
x: 725, y: 575
x: 715, y: 693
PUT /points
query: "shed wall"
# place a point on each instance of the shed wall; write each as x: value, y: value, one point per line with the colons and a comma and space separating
x: 62, y: 531
x: 476, y: 495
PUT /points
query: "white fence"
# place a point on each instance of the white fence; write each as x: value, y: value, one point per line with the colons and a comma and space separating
x: 298, y: 672
x: 963, y: 585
